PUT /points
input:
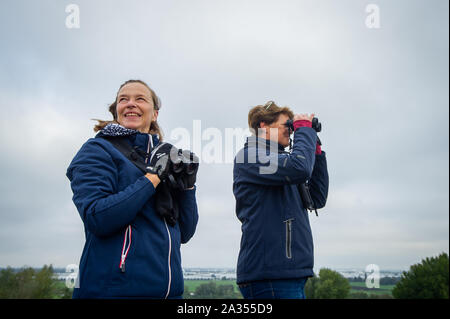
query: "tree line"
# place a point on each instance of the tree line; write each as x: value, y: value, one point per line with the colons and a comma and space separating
x: 29, y: 283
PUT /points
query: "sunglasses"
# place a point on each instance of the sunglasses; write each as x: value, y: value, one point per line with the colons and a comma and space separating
x: 268, y: 104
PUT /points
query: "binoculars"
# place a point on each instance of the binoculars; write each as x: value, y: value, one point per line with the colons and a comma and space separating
x: 184, y: 161
x: 316, y: 125
x: 303, y: 189
x: 177, y: 167
x: 183, y: 165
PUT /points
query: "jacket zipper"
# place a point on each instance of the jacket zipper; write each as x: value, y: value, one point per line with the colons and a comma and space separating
x: 168, y: 260
x: 128, y: 236
x: 125, y: 248
x: 289, y: 238
x: 165, y: 223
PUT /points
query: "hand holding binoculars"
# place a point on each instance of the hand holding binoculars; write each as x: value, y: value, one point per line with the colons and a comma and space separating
x: 176, y: 166
x: 316, y: 125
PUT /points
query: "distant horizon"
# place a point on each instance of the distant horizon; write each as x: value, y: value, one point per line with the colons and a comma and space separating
x: 386, y: 269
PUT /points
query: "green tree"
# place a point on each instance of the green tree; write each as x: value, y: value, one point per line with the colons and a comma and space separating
x: 44, y: 283
x: 31, y: 284
x: 8, y: 283
x: 426, y: 280
x: 206, y: 291
x: 311, y: 286
x: 328, y: 285
x: 227, y: 292
x: 22, y: 284
x: 186, y: 293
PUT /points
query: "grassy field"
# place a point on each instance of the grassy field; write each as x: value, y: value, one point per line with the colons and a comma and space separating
x: 192, y: 284
x: 356, y: 286
x: 361, y: 287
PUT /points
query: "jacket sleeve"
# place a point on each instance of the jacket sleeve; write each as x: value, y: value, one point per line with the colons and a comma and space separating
x: 318, y: 184
x: 102, y: 207
x: 188, y: 214
x: 279, y: 169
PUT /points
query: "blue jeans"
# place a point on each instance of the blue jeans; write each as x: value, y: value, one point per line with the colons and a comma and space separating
x: 274, y: 289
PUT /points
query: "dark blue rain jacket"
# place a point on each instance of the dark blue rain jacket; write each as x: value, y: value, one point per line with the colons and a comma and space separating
x: 130, y: 251
x: 276, y: 238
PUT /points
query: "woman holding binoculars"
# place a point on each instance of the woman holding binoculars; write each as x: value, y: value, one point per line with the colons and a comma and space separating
x: 276, y: 253
x: 133, y: 241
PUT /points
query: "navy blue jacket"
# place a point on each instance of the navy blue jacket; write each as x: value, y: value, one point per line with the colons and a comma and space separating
x: 276, y: 238
x: 130, y: 251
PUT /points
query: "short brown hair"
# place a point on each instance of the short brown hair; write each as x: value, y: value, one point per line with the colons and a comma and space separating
x: 154, y: 127
x: 267, y: 113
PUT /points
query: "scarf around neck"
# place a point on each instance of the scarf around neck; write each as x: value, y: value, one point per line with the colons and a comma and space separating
x: 114, y: 129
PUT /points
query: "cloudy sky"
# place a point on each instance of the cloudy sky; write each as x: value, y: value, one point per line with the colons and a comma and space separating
x: 380, y: 91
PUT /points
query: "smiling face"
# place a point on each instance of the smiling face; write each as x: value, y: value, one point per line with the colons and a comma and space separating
x: 277, y: 131
x: 135, y: 108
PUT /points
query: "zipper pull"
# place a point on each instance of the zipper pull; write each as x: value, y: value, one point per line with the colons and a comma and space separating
x: 125, y: 251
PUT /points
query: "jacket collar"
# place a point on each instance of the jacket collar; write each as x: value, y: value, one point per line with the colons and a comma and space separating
x: 136, y: 138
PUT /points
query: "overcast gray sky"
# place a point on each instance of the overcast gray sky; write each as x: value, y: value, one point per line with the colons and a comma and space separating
x: 380, y: 93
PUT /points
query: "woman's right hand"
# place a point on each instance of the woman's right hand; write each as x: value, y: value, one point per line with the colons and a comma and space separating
x: 305, y: 117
